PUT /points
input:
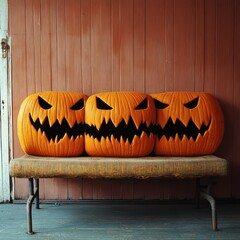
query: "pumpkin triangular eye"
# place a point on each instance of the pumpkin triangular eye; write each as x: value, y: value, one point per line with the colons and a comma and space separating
x: 160, y: 105
x: 142, y: 105
x: 102, y: 105
x: 78, y: 105
x: 43, y: 104
x: 192, y: 104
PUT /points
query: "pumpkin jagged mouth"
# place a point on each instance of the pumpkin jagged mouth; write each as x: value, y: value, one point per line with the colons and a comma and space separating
x: 124, y: 130
x: 57, y: 131
x: 178, y: 128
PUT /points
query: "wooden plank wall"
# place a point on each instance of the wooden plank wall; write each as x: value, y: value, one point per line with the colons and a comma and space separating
x: 123, y: 45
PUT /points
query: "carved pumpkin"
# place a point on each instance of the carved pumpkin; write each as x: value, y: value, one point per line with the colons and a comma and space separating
x: 188, y: 123
x: 52, y: 124
x: 119, y: 124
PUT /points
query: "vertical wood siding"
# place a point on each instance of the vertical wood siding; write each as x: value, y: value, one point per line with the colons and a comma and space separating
x: 151, y: 46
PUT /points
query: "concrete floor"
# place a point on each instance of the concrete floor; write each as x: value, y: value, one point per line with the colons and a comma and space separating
x: 118, y: 221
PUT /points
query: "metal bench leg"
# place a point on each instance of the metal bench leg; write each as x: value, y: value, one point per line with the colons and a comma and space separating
x: 212, y: 202
x: 198, y: 193
x: 33, y: 193
x: 206, y: 195
x: 36, y: 185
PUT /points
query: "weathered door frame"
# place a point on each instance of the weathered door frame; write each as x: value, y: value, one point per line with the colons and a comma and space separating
x: 5, y: 98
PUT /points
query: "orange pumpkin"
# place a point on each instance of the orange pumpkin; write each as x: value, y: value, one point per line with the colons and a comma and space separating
x: 119, y: 124
x: 52, y: 124
x: 188, y: 123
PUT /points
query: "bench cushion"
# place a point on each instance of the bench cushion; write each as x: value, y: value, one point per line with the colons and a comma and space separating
x: 97, y: 167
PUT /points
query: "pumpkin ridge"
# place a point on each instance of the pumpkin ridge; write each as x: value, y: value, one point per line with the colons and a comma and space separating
x: 172, y: 129
x: 125, y: 130
x: 58, y: 130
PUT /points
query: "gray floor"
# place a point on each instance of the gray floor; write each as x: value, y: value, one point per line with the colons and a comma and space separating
x: 120, y: 221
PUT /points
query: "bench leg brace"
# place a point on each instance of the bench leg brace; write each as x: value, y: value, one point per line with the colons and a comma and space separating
x: 33, y: 185
x: 207, y: 195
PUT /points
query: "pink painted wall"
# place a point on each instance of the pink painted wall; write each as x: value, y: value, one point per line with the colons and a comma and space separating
x: 142, y: 45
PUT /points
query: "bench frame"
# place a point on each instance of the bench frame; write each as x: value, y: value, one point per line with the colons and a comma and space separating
x: 202, y: 191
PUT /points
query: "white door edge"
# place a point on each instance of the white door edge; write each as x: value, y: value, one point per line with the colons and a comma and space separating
x: 5, y: 99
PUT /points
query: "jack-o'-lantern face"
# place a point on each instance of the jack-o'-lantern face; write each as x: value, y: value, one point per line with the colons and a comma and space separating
x: 119, y: 124
x: 52, y: 124
x: 188, y: 123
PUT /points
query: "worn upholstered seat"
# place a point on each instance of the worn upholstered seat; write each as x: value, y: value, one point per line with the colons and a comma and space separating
x: 97, y: 167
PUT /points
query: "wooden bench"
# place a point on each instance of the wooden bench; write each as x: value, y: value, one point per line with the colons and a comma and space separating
x: 34, y: 168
